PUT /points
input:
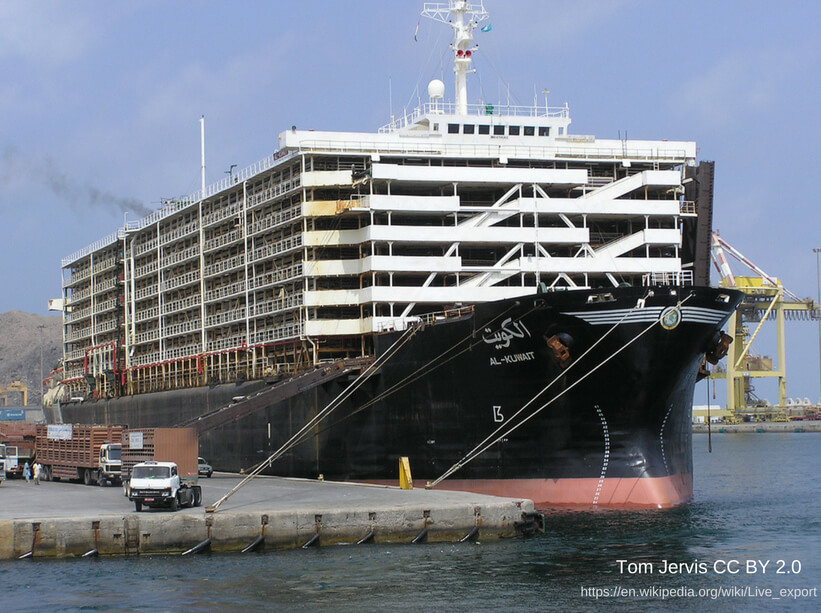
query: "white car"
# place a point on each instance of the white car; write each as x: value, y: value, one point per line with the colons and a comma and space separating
x: 204, y: 469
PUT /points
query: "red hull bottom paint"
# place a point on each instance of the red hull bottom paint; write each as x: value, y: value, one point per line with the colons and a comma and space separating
x: 616, y: 493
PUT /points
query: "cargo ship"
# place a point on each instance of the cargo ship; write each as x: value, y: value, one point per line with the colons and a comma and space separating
x: 517, y: 309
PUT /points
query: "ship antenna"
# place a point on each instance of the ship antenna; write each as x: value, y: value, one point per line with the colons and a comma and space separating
x: 462, y: 16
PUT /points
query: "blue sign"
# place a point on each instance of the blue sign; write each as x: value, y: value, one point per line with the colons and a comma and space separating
x: 12, y: 414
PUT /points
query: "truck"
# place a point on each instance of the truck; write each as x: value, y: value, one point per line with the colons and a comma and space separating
x: 87, y: 453
x: 11, y: 465
x: 18, y: 437
x: 174, y: 452
x: 158, y: 484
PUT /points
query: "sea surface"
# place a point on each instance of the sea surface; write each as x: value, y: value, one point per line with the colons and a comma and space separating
x: 750, y: 541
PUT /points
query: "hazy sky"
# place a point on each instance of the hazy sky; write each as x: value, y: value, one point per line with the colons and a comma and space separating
x: 100, y: 105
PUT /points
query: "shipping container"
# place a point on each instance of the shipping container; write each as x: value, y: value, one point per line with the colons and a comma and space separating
x: 178, y: 445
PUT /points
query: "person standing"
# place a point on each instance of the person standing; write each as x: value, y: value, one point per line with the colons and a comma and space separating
x: 27, y: 472
x: 37, y: 469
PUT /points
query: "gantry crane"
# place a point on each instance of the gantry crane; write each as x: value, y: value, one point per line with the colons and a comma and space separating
x: 765, y: 299
x: 14, y: 386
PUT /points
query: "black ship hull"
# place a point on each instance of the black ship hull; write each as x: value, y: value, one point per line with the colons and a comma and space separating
x: 564, y: 398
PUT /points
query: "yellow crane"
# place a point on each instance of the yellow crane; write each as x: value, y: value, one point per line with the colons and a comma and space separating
x: 14, y: 386
x: 765, y: 299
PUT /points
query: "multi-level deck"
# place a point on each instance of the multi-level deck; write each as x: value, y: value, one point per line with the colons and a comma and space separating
x: 302, y: 256
x: 307, y: 253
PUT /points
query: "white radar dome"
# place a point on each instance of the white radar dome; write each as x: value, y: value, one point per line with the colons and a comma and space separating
x: 436, y: 89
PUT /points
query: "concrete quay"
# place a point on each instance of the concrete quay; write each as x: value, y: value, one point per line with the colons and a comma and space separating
x: 58, y: 519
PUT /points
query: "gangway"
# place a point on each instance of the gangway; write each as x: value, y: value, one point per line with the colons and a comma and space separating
x: 282, y: 390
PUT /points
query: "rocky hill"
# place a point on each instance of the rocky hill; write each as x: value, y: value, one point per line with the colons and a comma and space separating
x: 21, y: 342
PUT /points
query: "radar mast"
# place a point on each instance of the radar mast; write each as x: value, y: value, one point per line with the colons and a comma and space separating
x: 462, y: 16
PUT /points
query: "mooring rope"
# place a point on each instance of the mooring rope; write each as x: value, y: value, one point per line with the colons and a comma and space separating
x: 341, y: 397
x: 431, y: 365
x: 485, y: 445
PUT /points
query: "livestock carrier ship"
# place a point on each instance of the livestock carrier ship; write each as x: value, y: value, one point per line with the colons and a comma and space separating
x: 517, y: 309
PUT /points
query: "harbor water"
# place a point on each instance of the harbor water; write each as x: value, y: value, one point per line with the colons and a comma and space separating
x: 750, y: 541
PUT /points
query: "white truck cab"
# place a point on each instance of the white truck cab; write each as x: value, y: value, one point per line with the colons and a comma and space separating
x: 110, y: 463
x: 158, y: 484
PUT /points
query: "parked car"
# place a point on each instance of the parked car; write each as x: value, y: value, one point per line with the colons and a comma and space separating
x: 204, y: 467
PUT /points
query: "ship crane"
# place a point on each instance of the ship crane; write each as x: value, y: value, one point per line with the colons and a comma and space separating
x: 765, y: 299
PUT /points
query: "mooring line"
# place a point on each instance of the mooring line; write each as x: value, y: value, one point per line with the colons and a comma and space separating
x: 474, y: 454
x: 427, y: 368
x: 296, y: 438
x: 470, y: 455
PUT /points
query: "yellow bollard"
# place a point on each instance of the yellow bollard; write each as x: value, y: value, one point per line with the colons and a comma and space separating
x: 405, y: 480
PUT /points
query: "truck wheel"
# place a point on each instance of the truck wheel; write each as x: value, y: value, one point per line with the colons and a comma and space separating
x: 138, y: 506
x: 197, y: 496
x: 174, y: 503
x: 101, y: 480
x: 87, y: 477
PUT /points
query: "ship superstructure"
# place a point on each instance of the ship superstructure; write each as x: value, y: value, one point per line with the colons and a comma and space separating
x: 305, y: 254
